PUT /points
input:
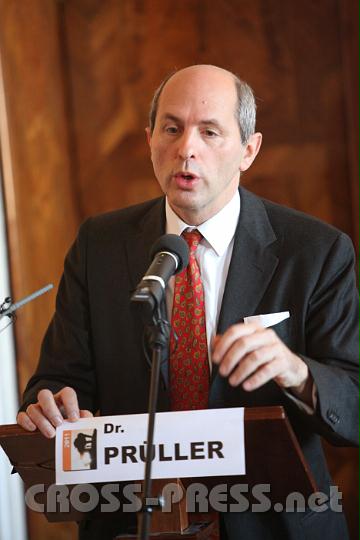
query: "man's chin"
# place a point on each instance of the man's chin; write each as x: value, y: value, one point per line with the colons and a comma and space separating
x: 189, y: 209
x: 186, y: 201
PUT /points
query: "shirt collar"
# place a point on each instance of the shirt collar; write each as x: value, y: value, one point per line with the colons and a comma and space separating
x: 218, y: 231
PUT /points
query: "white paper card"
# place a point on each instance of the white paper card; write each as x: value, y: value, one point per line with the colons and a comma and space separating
x: 186, y: 443
x: 268, y: 319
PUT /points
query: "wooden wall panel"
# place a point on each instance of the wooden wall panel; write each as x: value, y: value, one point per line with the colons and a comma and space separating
x: 41, y: 208
x: 292, y: 60
x: 78, y: 78
x: 349, y: 41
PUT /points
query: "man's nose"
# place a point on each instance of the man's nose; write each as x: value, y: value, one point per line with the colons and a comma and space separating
x: 187, y: 146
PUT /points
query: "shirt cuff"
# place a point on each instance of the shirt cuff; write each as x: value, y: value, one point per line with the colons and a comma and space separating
x: 305, y: 407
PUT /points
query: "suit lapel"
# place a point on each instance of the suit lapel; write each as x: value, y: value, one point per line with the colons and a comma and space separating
x: 138, y: 246
x: 254, y: 260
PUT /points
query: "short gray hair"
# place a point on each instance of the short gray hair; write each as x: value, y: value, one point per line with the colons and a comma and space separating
x: 245, y: 112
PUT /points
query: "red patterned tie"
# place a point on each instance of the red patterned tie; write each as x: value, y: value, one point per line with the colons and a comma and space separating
x: 189, y: 364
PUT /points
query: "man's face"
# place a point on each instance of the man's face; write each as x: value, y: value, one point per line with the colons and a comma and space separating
x: 196, y: 147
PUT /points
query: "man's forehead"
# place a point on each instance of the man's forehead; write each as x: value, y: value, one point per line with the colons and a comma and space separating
x: 202, y: 70
x: 199, y: 93
x: 203, y: 83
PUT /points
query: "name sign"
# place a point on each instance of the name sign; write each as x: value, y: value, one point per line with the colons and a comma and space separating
x: 186, y: 444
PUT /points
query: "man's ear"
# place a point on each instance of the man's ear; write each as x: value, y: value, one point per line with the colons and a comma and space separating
x: 148, y: 135
x: 251, y: 150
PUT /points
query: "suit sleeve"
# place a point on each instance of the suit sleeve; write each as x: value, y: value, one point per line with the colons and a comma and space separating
x: 332, y: 346
x: 66, y: 357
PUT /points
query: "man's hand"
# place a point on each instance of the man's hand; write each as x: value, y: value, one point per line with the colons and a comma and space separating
x: 252, y: 355
x: 50, y: 410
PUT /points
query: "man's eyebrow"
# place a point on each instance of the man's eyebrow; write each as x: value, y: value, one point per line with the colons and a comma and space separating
x: 168, y: 116
x: 206, y: 122
x: 211, y: 122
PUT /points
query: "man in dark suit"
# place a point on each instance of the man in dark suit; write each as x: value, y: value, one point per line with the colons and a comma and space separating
x: 260, y: 263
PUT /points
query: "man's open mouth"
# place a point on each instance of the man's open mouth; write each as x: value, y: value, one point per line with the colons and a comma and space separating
x: 186, y: 175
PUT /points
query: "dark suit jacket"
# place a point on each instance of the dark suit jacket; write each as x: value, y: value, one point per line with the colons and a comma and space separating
x: 282, y: 260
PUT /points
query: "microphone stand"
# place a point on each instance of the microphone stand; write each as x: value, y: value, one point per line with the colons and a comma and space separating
x: 159, y: 333
x: 7, y: 308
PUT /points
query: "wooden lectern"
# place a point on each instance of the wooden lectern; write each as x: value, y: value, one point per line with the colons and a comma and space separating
x: 273, y: 456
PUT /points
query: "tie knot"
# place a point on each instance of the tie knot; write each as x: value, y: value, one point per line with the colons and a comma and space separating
x: 193, y: 238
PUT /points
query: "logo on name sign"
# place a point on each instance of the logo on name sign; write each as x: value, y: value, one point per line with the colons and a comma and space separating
x: 79, y: 449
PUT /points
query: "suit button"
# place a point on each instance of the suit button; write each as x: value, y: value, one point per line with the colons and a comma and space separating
x: 332, y: 416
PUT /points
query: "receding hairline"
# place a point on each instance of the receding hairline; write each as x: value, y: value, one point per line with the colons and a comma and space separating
x: 245, y: 109
x: 199, y: 68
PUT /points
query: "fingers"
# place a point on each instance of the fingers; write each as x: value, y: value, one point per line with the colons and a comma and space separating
x: 252, y: 356
x: 268, y: 372
x: 222, y: 343
x: 85, y: 414
x: 242, y: 346
x: 24, y: 421
x: 36, y: 415
x: 214, y: 341
x: 46, y: 414
x: 49, y: 408
x: 68, y: 399
x: 238, y: 341
x: 253, y: 364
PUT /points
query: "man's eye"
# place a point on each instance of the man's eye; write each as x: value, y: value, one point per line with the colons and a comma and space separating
x: 210, y: 133
x: 171, y: 129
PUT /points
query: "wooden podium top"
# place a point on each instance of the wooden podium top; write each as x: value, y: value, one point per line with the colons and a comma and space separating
x: 273, y: 456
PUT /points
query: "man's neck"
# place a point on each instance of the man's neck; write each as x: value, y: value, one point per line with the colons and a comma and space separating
x: 197, y: 217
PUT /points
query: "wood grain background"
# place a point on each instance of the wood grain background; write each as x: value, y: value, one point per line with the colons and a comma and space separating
x: 78, y: 77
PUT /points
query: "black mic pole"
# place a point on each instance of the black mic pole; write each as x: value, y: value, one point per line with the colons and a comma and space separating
x: 171, y: 256
x: 159, y: 334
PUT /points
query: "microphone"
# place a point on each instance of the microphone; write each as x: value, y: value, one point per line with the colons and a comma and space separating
x: 170, y: 255
x: 7, y: 308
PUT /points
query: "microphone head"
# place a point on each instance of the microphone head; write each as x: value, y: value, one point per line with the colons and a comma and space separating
x: 174, y: 244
